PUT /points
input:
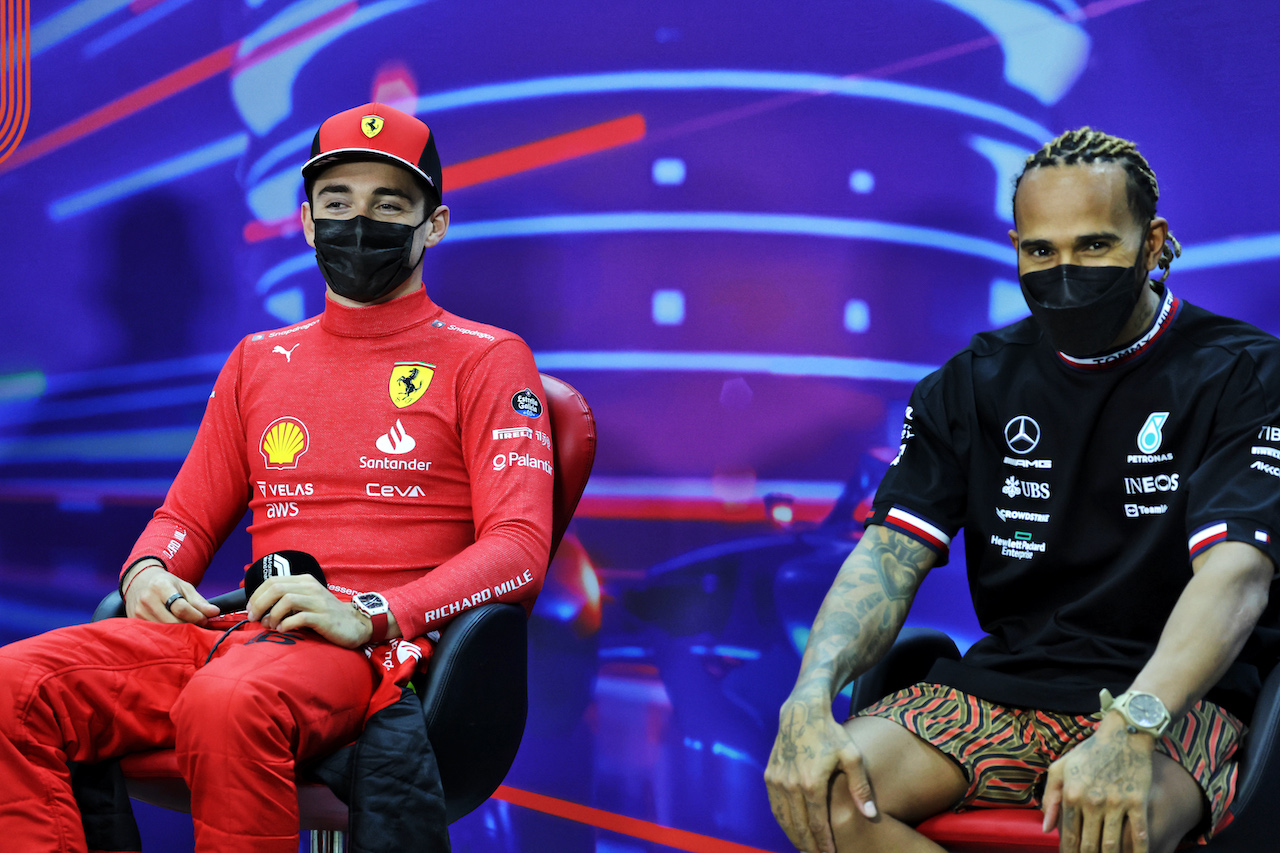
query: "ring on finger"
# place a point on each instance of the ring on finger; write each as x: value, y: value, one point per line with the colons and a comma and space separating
x: 168, y: 605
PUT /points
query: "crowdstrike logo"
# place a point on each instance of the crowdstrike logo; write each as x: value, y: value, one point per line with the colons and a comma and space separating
x: 1022, y: 434
x: 396, y: 441
x: 1021, y: 515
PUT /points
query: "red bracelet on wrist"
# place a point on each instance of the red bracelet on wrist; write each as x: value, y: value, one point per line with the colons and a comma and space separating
x: 125, y: 591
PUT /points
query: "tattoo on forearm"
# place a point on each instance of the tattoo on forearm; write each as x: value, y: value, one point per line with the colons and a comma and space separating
x: 866, y: 604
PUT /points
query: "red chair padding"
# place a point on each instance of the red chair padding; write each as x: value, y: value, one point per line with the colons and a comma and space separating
x: 1005, y: 830
x: 573, y: 453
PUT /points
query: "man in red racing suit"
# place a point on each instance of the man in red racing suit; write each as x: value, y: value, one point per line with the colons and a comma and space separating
x: 405, y: 448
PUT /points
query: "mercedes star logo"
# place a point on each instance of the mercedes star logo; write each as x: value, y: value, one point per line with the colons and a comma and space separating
x: 1022, y: 434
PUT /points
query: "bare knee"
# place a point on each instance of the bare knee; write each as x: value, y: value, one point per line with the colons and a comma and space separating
x: 911, y: 778
x: 846, y: 819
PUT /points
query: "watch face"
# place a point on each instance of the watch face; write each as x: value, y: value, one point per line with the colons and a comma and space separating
x: 371, y: 602
x: 1146, y: 710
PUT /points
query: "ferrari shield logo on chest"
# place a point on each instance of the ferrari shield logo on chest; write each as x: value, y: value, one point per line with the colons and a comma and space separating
x: 371, y: 125
x: 409, y: 380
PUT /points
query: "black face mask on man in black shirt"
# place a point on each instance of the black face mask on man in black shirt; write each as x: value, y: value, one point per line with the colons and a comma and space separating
x: 1083, y: 309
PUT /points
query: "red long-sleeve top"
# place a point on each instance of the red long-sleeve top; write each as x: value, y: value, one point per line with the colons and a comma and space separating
x: 404, y: 447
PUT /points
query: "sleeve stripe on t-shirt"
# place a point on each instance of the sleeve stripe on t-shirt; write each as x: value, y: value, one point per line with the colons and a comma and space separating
x: 916, y: 527
x: 1206, y: 537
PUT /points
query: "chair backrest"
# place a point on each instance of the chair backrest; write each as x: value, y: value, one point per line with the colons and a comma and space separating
x: 573, y: 448
x: 474, y: 697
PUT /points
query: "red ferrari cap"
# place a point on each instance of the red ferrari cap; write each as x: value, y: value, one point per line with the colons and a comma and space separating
x: 380, y: 132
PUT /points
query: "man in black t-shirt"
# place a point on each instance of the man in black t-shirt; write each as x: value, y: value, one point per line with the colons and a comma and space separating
x: 1113, y: 460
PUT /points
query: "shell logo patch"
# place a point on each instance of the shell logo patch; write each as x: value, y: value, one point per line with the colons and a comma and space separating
x: 371, y: 125
x: 409, y: 381
x: 283, y: 442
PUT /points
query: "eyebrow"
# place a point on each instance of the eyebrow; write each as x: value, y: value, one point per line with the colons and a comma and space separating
x: 339, y: 189
x: 1101, y: 235
x: 1083, y: 239
x: 393, y: 191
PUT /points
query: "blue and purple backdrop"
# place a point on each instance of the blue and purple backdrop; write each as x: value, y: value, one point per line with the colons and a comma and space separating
x: 743, y: 229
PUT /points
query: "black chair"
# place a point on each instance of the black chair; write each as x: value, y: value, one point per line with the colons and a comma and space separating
x: 475, y: 698
x: 1254, y: 826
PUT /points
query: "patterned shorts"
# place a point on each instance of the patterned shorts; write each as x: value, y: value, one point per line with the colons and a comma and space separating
x: 1005, y: 752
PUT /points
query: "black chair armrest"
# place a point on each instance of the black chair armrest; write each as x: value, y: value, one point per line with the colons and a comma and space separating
x: 906, y: 662
x: 1253, y: 824
x: 475, y: 696
x: 112, y: 605
x: 475, y: 700
x: 109, y: 607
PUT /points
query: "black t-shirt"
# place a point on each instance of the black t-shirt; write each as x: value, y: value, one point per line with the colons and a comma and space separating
x: 1085, y: 487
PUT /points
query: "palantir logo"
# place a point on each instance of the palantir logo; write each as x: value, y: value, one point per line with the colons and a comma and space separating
x: 1022, y: 434
x: 1150, y: 437
x: 396, y: 441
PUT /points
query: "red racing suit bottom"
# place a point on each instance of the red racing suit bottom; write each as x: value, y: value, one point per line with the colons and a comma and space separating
x: 239, y: 724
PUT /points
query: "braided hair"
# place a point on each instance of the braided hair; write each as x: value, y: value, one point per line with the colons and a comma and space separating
x: 1089, y: 146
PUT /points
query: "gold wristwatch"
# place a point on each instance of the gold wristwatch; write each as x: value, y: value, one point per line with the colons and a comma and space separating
x: 1143, y: 712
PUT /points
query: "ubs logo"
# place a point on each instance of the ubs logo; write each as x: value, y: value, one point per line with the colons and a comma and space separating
x: 1022, y: 434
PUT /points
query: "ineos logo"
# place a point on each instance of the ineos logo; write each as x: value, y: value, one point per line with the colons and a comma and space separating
x: 1022, y: 434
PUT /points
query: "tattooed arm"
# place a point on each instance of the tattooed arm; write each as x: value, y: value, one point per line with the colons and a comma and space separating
x: 858, y: 621
x: 1099, y: 793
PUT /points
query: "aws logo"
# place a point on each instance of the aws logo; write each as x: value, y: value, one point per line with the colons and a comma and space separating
x: 283, y: 442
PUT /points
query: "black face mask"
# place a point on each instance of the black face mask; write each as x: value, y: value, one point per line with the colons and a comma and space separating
x: 364, y: 259
x: 1082, y: 309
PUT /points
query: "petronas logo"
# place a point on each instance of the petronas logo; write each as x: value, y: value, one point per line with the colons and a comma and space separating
x: 283, y: 443
x: 1150, y: 437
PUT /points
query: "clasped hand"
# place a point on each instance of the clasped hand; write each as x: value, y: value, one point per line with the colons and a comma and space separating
x: 810, y: 748
x: 1099, y: 793
x: 285, y: 603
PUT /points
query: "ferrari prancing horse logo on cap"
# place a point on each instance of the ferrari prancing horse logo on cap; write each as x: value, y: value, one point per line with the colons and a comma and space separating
x: 371, y: 125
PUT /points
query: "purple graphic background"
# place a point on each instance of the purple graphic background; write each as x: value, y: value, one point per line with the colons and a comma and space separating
x: 815, y: 216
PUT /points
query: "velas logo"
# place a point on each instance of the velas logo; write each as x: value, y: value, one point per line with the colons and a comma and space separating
x: 283, y: 442
x: 1150, y: 437
x: 409, y: 381
x: 527, y: 403
x: 1022, y: 434
x: 371, y: 126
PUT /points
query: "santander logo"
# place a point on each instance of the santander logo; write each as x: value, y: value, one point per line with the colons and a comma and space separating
x: 396, y: 441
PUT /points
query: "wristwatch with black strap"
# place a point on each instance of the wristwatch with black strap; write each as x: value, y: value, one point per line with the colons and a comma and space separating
x: 373, y: 605
x: 1142, y: 712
